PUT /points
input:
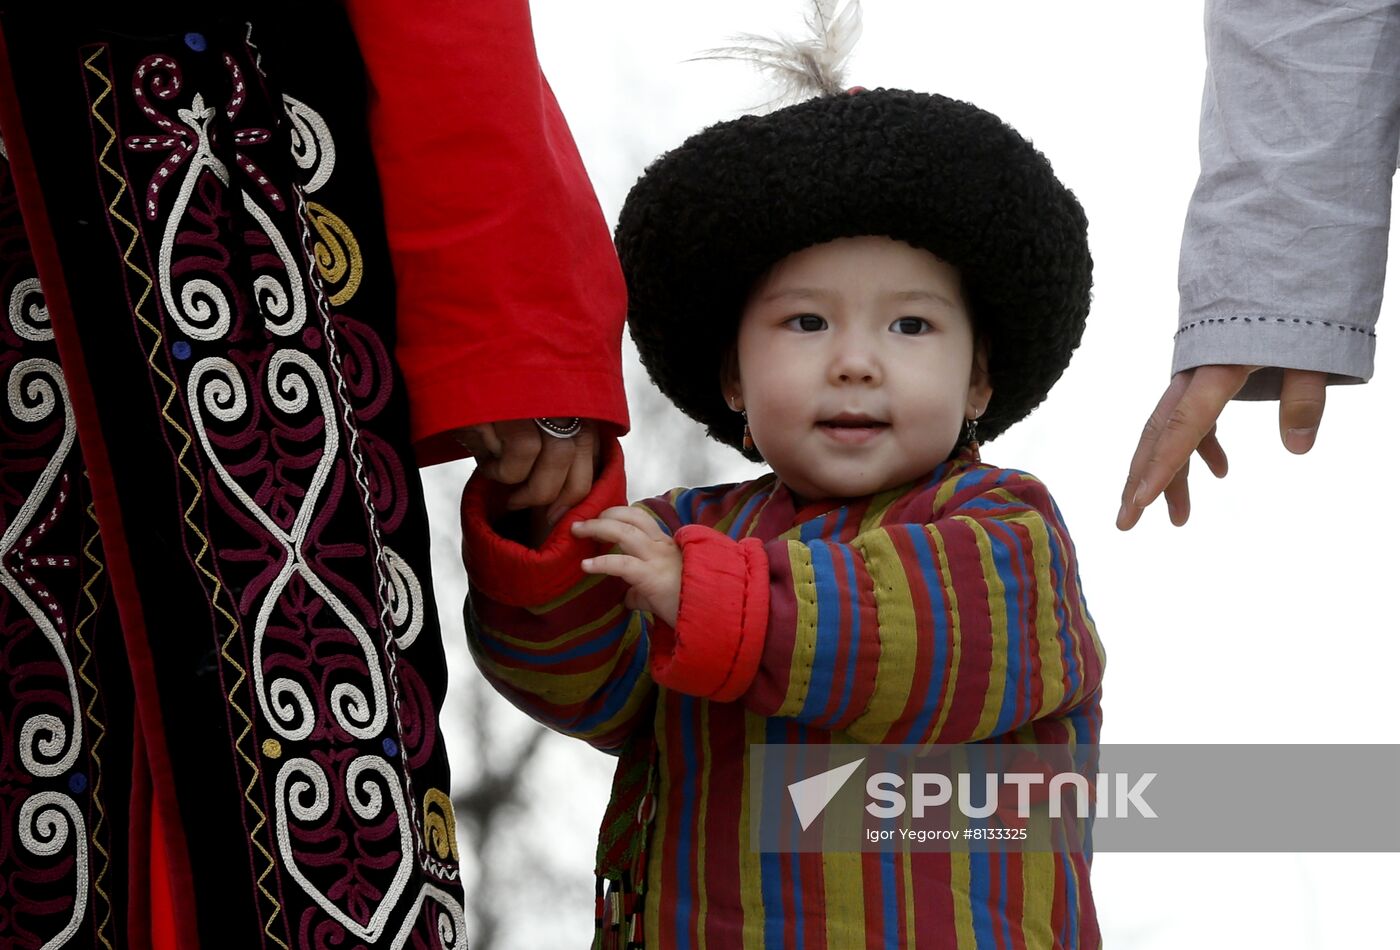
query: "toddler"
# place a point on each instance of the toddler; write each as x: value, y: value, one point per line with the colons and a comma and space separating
x: 857, y: 289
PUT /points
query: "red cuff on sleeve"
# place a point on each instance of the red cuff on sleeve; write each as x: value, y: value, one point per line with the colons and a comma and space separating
x: 715, y: 648
x: 509, y: 572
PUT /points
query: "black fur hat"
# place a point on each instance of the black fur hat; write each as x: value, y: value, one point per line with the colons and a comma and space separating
x: 708, y: 219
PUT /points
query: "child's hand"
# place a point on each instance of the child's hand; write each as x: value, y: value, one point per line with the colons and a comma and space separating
x: 649, y: 561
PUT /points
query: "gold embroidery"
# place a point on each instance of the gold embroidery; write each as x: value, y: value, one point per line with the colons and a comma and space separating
x: 440, y: 823
x: 272, y: 748
x: 337, y: 252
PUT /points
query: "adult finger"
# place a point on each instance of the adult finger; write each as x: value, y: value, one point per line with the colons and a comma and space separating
x: 579, y: 479
x: 547, y: 475
x: 1178, y: 495
x: 1186, y: 425
x: 1128, y: 513
x: 1300, y: 405
x: 520, y: 445
x: 1182, y: 420
x: 1213, y: 454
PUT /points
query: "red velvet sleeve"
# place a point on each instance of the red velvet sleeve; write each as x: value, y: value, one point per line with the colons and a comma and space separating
x: 510, y: 298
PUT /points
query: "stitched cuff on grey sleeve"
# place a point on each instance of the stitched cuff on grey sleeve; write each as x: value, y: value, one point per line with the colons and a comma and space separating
x: 1345, y: 351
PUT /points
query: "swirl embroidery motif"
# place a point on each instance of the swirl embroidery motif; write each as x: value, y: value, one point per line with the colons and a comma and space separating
x: 50, y: 823
x: 321, y: 689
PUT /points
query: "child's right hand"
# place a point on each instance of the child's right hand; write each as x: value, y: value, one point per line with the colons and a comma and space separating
x: 650, y: 560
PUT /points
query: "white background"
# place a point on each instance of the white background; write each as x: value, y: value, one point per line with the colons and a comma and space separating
x: 1269, y: 618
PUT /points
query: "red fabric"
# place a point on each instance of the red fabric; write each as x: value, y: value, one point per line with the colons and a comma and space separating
x: 163, y: 925
x: 513, y: 574
x: 714, y: 650
x: 510, y: 297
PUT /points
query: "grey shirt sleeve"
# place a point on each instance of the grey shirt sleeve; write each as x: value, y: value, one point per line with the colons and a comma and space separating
x: 1284, y: 252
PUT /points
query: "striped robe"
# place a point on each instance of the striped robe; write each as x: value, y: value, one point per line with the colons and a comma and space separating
x: 945, y: 611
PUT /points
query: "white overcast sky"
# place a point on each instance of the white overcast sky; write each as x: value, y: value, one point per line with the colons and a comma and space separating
x: 1269, y: 617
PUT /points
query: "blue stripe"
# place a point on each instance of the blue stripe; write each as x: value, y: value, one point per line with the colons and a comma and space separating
x: 1069, y: 934
x: 980, y: 893
x: 687, y: 823
x: 618, y: 692
x: 889, y: 899
x: 772, y: 810
x: 1009, y: 565
x: 819, y: 686
x: 736, y: 527
x: 853, y: 639
x: 920, y: 728
x: 1074, y: 672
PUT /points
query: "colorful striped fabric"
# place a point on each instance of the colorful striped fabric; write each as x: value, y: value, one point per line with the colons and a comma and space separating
x: 947, y: 611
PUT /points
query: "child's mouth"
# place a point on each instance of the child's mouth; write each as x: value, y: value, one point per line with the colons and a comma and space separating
x: 852, y: 431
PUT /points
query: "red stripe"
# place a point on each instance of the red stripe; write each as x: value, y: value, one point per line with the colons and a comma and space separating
x: 933, y: 900
x: 726, y: 838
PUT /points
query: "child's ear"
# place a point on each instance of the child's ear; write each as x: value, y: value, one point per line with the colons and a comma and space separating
x: 979, y: 387
x: 729, y: 383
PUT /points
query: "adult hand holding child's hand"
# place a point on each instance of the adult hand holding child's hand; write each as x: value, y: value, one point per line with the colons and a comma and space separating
x: 552, y: 472
x: 649, y: 559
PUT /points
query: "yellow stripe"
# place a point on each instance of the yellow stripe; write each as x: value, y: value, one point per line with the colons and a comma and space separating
x: 899, y: 651
x: 750, y: 866
x: 804, y: 648
x: 726, y: 520
x: 845, y: 898
x: 581, y: 630
x: 961, y: 881
x: 1038, y: 887
x: 1047, y: 627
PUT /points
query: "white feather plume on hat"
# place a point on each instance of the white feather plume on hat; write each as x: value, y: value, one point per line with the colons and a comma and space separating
x: 805, y: 66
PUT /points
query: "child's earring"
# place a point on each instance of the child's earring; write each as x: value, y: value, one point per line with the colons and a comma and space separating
x: 748, y: 436
x: 971, y: 439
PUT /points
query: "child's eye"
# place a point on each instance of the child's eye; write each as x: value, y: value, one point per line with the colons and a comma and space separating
x: 911, y: 326
x: 807, y: 322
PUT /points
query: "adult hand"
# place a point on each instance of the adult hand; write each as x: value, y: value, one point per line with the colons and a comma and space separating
x: 1184, y: 422
x: 553, y: 473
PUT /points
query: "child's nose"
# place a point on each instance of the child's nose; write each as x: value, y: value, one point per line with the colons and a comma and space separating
x: 855, y: 364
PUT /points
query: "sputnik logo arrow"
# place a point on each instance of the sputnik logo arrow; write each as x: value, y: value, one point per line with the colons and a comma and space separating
x: 811, y: 795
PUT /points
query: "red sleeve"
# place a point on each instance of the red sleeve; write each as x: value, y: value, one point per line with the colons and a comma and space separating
x: 510, y: 298
x: 518, y: 576
x: 715, y: 648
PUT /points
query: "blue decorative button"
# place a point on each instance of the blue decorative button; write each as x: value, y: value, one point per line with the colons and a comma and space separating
x: 77, y: 782
x: 196, y: 42
x: 181, y: 350
x: 391, y: 748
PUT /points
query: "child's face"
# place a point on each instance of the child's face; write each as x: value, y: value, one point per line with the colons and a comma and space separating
x: 855, y: 363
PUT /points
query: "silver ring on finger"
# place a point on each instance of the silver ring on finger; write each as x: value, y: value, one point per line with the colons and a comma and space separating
x: 560, y: 427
